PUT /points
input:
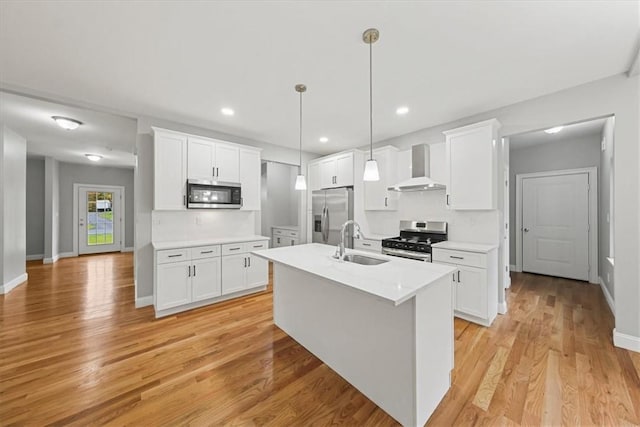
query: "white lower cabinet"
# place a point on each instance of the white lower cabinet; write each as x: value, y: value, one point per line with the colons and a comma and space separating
x: 284, y: 237
x: 186, y: 278
x: 475, y: 296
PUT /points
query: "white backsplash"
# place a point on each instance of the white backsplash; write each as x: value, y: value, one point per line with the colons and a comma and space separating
x: 202, y: 224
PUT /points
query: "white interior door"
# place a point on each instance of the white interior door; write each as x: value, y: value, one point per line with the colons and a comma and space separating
x: 99, y: 220
x: 555, y: 225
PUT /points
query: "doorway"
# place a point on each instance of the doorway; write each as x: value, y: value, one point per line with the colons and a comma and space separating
x: 555, y: 223
x: 99, y: 218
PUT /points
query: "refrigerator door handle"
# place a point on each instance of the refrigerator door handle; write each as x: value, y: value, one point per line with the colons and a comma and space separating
x: 325, y: 224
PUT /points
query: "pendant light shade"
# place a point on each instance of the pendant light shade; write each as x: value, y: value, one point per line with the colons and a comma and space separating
x: 370, y: 36
x: 301, y: 183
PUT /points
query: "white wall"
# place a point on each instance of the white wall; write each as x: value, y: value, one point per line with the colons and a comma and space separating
x: 74, y: 173
x: 35, y: 207
x: 13, y: 152
x: 616, y: 95
x: 568, y: 153
x: 605, y: 216
x: 51, y: 210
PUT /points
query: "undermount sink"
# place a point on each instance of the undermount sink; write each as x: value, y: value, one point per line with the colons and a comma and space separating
x: 364, y: 260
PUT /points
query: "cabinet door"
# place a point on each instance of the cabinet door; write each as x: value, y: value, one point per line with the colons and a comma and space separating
x: 376, y: 195
x: 227, y: 163
x: 257, y: 271
x: 173, y: 285
x: 328, y: 173
x: 205, y: 278
x: 170, y: 171
x: 470, y: 157
x: 315, y: 182
x: 344, y: 170
x: 250, y: 179
x: 471, y: 291
x: 234, y: 273
x: 201, y: 154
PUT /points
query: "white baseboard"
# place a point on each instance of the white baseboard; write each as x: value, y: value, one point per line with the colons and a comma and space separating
x: 144, y: 301
x: 35, y: 257
x: 52, y: 260
x: 128, y: 249
x: 67, y: 254
x: 608, y: 297
x: 625, y: 341
x: 502, y: 307
x: 7, y: 287
x: 513, y: 268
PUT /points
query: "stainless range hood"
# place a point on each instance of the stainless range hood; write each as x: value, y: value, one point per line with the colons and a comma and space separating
x: 420, y: 170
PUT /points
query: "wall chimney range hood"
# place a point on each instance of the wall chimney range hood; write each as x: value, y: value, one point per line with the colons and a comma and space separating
x: 420, y: 171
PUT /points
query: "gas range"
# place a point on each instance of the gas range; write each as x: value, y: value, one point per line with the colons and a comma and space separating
x: 415, y: 239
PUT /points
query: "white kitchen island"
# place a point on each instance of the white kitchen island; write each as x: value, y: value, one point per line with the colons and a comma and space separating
x: 387, y: 329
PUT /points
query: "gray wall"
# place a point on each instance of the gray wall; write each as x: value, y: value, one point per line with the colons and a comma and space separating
x: 71, y: 173
x: 605, y: 177
x: 279, y: 198
x: 13, y: 153
x: 559, y: 155
x: 35, y: 207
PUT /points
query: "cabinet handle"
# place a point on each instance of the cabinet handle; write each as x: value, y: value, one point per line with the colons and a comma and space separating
x: 217, y: 172
x: 454, y: 277
x: 257, y: 246
x: 458, y: 276
x: 245, y: 262
x: 385, y: 202
x: 194, y: 271
x: 189, y: 271
x: 174, y: 256
x: 278, y: 240
x: 241, y: 201
x: 213, y: 172
x: 249, y: 261
x: 292, y: 243
x: 184, y: 200
x: 234, y: 249
x: 206, y: 252
x: 447, y: 200
x: 456, y: 257
x: 366, y: 244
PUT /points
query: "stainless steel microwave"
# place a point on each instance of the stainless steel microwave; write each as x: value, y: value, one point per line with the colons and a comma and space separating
x: 208, y: 194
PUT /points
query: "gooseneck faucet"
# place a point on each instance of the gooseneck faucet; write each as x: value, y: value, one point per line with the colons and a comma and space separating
x: 356, y: 234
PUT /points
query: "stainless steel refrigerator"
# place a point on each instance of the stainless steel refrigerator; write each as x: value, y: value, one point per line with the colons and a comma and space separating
x: 330, y: 209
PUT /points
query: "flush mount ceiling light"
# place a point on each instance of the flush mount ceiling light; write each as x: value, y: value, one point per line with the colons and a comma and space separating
x: 227, y: 111
x: 371, y: 36
x: 554, y: 129
x: 324, y: 139
x: 301, y: 183
x: 66, y: 123
x: 401, y: 111
x: 93, y: 157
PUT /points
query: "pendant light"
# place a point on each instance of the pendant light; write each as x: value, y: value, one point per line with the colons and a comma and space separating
x: 371, y: 36
x: 301, y: 183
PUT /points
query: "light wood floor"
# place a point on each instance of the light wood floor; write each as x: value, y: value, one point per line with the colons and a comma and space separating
x: 74, y: 350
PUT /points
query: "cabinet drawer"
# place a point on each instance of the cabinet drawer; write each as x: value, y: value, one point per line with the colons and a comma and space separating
x: 368, y: 245
x: 291, y: 233
x: 257, y: 245
x: 233, y: 248
x: 472, y: 259
x: 205, y: 252
x: 278, y: 232
x: 172, y: 255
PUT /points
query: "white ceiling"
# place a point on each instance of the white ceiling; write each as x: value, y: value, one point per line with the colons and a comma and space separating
x: 184, y: 61
x: 108, y: 135
x: 569, y: 132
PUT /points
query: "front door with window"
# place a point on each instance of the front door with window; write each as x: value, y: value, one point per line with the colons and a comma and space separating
x: 99, y: 220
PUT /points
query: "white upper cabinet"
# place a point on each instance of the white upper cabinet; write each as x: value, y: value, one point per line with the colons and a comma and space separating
x: 472, y: 166
x: 376, y: 195
x: 332, y: 171
x: 170, y: 170
x: 250, y: 179
x: 209, y: 159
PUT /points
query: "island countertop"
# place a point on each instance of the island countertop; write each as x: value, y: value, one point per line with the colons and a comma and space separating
x: 395, y: 281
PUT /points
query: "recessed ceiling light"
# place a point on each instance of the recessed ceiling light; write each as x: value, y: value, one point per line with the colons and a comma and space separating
x: 402, y: 111
x: 93, y: 157
x: 66, y: 123
x: 324, y: 139
x: 227, y: 111
x: 554, y: 130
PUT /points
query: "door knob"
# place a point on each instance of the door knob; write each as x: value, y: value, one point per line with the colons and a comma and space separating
x: 526, y: 230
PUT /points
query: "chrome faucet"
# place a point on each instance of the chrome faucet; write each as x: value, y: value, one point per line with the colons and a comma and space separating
x: 356, y: 234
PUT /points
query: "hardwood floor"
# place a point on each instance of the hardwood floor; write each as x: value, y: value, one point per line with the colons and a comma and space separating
x: 74, y: 350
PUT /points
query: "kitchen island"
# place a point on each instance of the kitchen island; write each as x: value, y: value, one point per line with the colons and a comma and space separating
x: 387, y: 329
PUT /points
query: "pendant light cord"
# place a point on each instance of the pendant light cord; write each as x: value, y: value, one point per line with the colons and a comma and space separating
x: 370, y: 101
x: 300, y: 166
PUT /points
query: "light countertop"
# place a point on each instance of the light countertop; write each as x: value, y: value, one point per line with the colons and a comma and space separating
x: 464, y: 246
x: 287, y: 227
x: 395, y: 281
x: 205, y: 242
x: 371, y: 236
